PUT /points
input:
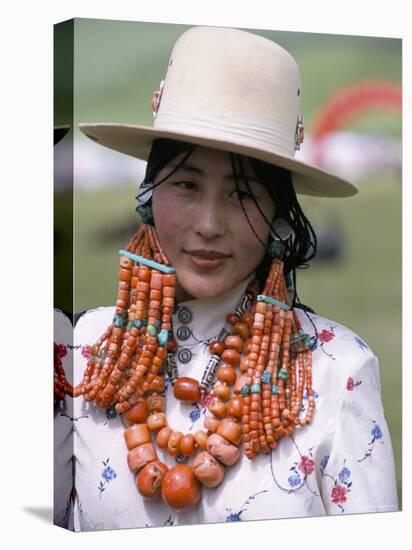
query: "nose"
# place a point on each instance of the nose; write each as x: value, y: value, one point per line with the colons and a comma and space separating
x: 210, y: 218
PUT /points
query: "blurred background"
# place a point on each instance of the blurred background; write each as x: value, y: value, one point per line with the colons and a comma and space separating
x: 351, y: 104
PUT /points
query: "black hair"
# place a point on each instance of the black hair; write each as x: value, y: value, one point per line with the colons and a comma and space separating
x: 301, y: 246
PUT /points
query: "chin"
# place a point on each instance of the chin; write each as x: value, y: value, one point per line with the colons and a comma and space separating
x: 203, y: 290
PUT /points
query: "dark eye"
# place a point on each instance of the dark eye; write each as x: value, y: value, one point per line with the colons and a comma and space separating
x: 186, y: 185
x: 241, y: 194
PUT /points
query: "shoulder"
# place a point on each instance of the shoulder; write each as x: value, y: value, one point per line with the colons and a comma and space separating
x: 339, y: 350
x: 93, y: 322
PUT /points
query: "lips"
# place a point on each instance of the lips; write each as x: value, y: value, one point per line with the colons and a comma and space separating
x: 207, y: 260
x: 208, y: 254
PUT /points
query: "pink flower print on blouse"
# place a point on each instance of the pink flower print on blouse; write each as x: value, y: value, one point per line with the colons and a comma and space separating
x: 326, y: 336
x: 200, y: 408
x: 338, y: 494
x: 351, y: 384
x: 306, y: 465
x: 322, y: 338
x: 341, y: 484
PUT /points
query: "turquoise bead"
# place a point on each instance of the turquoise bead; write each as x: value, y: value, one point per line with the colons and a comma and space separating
x: 162, y: 337
x: 120, y: 320
x: 266, y: 377
x: 275, y: 389
x: 245, y: 390
x: 137, y: 324
x: 283, y: 374
x: 151, y: 330
x: 308, y: 341
x: 255, y: 388
x: 276, y: 249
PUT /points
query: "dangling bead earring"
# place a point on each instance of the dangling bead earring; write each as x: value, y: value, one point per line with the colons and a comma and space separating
x: 279, y: 234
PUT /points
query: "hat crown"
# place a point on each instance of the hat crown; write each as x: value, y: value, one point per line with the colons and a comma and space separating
x: 226, y: 82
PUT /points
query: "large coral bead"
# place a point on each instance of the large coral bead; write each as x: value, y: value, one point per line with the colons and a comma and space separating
x: 180, y: 488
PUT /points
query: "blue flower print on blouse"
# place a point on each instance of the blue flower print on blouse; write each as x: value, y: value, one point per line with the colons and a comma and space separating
x: 200, y: 408
x: 195, y: 413
x: 294, y: 480
x: 377, y: 435
x: 324, y: 462
x: 110, y: 414
x: 376, y: 432
x: 235, y: 516
x: 361, y: 343
x: 344, y: 474
x: 108, y: 474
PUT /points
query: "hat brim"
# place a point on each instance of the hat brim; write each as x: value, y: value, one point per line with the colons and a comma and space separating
x: 136, y: 141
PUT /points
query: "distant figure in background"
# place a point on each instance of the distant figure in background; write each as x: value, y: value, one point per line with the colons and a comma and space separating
x: 208, y: 393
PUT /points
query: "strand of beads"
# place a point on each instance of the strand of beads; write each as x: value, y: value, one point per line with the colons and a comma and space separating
x: 275, y: 372
x: 62, y: 386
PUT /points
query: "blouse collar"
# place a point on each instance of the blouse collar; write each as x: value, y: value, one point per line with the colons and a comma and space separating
x: 206, y: 317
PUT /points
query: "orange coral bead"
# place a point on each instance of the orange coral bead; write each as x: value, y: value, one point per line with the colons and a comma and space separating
x: 230, y: 430
x: 125, y: 274
x: 163, y: 436
x: 180, y: 488
x: 234, y: 341
x: 156, y: 421
x: 156, y: 402
x: 232, y: 318
x: 169, y: 280
x: 140, y: 456
x: 144, y: 274
x: 149, y: 480
x: 221, y: 390
x: 201, y: 439
x: 227, y: 374
x: 216, y: 347
x: 234, y: 406
x: 211, y: 423
x: 242, y: 329
x: 158, y: 384
x: 173, y: 445
x: 136, y: 435
x: 186, y: 389
x: 217, y: 407
x: 187, y: 444
x: 231, y: 356
x: 138, y: 413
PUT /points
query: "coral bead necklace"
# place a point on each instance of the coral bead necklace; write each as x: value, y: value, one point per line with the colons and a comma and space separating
x: 259, y: 367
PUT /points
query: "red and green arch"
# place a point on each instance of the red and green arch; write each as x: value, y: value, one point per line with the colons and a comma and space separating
x: 354, y: 100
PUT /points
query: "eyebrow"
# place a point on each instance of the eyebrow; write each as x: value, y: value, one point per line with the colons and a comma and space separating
x: 190, y: 168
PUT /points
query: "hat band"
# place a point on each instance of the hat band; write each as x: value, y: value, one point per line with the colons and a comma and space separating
x: 251, y: 131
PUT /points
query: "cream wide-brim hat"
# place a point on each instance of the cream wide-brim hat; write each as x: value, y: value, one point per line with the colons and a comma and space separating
x: 233, y: 91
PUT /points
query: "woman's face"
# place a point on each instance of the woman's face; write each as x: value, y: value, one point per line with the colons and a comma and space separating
x: 201, y: 225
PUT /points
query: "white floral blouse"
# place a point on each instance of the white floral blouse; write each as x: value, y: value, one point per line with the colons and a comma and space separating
x: 341, y: 464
